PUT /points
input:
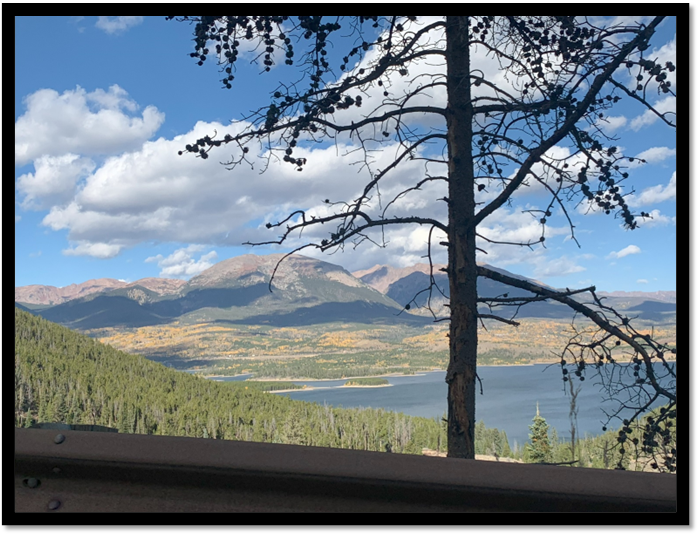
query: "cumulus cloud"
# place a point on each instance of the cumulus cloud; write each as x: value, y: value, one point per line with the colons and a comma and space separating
x: 642, y: 281
x: 97, y: 250
x: 153, y: 194
x: 144, y: 192
x: 53, y: 181
x: 656, y: 154
x: 654, y: 194
x: 666, y: 107
x: 113, y: 25
x: 626, y: 251
x: 656, y: 219
x: 181, y: 264
x: 611, y: 124
x: 546, y: 268
x: 81, y: 123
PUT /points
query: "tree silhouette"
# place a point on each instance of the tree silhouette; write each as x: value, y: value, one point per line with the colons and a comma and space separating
x: 407, y: 84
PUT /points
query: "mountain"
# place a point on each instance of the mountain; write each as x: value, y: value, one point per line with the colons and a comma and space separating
x: 50, y: 295
x: 667, y: 296
x: 37, y: 294
x: 381, y: 277
x: 407, y: 286
x: 304, y: 291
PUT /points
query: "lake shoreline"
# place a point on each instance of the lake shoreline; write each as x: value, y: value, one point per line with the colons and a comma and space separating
x: 417, y: 374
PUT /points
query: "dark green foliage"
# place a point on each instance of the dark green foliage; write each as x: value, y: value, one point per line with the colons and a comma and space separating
x: 538, y: 449
x: 367, y: 381
x: 61, y: 375
x: 492, y: 441
x: 266, y: 386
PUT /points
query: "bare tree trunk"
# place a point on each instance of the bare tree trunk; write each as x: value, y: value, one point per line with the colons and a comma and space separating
x: 463, y: 338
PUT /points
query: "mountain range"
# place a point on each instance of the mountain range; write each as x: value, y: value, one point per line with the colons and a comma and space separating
x: 304, y: 291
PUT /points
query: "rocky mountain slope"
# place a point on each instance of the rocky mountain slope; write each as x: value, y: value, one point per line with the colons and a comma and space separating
x: 304, y: 291
x: 37, y: 294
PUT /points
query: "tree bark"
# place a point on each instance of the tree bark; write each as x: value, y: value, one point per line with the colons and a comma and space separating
x: 462, y: 269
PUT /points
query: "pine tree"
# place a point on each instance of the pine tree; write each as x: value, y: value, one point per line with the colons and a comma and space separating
x: 557, y: 76
x: 538, y: 449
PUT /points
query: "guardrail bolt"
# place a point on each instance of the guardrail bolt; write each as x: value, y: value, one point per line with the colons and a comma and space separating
x: 54, y: 504
x: 59, y: 438
x: 32, y: 482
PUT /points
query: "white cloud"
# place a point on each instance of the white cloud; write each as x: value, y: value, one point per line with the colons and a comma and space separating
x: 642, y: 281
x: 17, y: 218
x: 656, y: 154
x: 53, y: 181
x: 82, y: 123
x: 665, y: 107
x: 155, y: 195
x: 546, y: 267
x: 151, y: 195
x: 626, y: 251
x: 611, y: 124
x: 97, y: 250
x: 654, y: 194
x: 181, y: 265
x: 114, y: 25
x: 656, y: 219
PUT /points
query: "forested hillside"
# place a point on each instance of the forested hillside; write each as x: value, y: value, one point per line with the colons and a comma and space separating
x: 62, y: 376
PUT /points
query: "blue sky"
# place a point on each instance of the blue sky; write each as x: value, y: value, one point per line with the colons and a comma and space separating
x: 103, y: 104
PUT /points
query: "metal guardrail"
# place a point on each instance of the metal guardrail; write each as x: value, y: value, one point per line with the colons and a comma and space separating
x: 80, y: 471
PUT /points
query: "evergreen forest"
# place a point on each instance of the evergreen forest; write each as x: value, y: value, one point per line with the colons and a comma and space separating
x: 64, y: 376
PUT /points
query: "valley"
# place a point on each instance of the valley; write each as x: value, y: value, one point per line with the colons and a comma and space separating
x: 315, y: 320
x: 338, y: 350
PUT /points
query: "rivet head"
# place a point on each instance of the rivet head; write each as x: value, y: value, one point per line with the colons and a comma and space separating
x: 32, y: 482
x: 54, y: 504
x: 59, y: 438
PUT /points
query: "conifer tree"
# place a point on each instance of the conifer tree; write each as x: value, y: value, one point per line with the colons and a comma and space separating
x: 538, y: 449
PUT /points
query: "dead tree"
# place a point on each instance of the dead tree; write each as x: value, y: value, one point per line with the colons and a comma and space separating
x: 412, y: 82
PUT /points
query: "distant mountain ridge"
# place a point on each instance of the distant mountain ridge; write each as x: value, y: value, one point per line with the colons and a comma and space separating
x: 666, y: 296
x: 381, y: 276
x: 37, y: 294
x: 305, y: 291
x: 408, y: 286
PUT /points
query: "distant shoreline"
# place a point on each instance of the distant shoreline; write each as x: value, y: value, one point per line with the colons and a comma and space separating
x: 394, y: 374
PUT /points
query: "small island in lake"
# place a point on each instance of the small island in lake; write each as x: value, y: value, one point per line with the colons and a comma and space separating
x: 367, y: 381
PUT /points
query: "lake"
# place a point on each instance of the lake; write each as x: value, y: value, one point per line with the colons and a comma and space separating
x: 509, y: 400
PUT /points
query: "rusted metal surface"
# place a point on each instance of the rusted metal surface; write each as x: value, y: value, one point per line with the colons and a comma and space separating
x: 109, y: 472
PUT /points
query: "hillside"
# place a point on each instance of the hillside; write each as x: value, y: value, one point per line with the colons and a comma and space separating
x: 63, y: 376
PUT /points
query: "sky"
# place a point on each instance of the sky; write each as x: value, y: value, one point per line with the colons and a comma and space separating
x: 100, y: 190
